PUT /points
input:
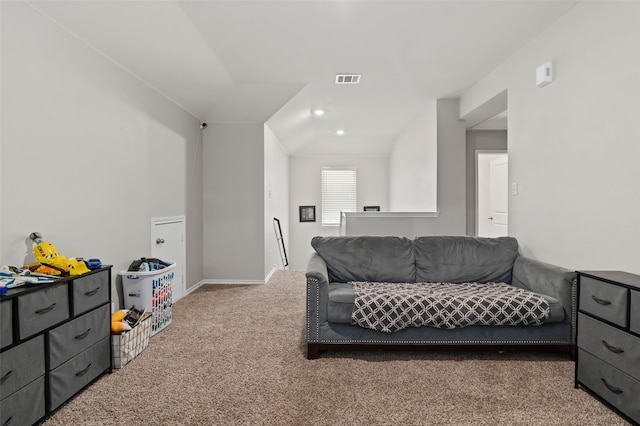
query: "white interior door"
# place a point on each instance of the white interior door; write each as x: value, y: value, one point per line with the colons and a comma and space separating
x: 168, y: 244
x: 492, y: 211
x: 499, y: 196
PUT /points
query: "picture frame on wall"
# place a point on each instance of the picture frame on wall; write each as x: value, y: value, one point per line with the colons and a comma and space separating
x: 371, y: 208
x: 307, y: 213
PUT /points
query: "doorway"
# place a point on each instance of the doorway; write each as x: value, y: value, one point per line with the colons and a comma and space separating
x: 487, y: 127
x: 492, y: 194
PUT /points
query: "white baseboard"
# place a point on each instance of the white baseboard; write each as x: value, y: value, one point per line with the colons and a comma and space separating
x: 232, y: 282
x: 229, y: 282
x: 273, y: 270
x: 193, y: 288
x: 238, y: 282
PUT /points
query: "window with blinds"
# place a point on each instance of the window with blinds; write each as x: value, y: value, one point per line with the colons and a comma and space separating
x: 338, y: 194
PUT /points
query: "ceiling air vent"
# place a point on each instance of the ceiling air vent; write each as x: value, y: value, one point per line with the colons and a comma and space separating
x: 348, y: 78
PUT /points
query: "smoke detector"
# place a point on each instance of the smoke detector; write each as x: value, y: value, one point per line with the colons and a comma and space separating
x: 348, y: 78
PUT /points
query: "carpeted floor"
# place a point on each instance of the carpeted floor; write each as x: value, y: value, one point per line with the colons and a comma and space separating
x: 234, y: 355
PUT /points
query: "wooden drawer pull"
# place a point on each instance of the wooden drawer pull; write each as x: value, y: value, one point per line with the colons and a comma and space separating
x: 83, y: 372
x: 613, y: 349
x: 600, y: 301
x: 92, y: 292
x: 5, y: 377
x: 45, y: 310
x: 83, y: 335
x: 613, y: 389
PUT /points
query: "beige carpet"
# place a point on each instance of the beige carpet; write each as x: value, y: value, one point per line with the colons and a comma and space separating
x: 234, y: 355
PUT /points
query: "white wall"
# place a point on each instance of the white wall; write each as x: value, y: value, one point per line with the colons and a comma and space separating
x: 276, y: 199
x: 573, y: 145
x: 89, y: 153
x: 246, y: 173
x: 413, y: 165
x: 427, y: 168
x: 305, y: 189
x: 451, y: 169
x: 233, y: 202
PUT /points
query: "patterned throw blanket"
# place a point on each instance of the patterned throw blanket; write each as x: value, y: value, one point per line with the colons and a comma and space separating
x: 391, y: 307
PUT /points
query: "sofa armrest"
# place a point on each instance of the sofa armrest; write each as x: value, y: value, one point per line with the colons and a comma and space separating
x: 551, y: 280
x: 317, y: 296
x: 317, y: 269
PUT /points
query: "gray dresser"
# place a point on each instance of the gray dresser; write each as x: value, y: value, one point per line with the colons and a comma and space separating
x: 54, y: 341
x: 608, y: 339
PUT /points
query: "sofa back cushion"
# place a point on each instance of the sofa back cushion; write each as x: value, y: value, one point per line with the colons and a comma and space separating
x: 465, y: 259
x: 367, y: 258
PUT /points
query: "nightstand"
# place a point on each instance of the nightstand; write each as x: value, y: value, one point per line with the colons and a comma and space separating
x: 608, y: 339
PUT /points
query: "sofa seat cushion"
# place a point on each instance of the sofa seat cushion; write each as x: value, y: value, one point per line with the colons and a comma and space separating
x: 457, y: 259
x: 368, y: 258
x: 342, y: 303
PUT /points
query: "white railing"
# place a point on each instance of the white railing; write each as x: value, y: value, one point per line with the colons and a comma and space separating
x: 405, y: 224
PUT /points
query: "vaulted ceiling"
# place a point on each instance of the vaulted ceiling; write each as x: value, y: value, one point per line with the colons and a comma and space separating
x: 275, y: 61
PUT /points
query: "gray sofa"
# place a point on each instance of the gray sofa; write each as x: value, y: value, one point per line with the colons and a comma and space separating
x: 455, y: 259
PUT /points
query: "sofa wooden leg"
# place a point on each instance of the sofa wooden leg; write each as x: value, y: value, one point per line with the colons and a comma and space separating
x: 313, y: 351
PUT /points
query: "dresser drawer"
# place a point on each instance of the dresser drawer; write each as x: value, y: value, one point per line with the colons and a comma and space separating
x: 604, y: 300
x: 77, y: 335
x: 90, y: 291
x: 620, y: 349
x: 24, y: 407
x: 614, y: 386
x: 21, y: 365
x: 78, y: 372
x: 635, y: 311
x: 6, y: 323
x: 42, y: 309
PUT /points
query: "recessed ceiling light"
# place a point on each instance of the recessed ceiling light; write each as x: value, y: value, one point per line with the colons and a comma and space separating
x: 339, y: 132
x: 318, y: 112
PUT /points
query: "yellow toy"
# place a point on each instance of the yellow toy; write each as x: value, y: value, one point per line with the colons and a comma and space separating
x: 42, y: 269
x: 117, y: 321
x: 119, y: 315
x: 124, y: 320
x: 47, y: 255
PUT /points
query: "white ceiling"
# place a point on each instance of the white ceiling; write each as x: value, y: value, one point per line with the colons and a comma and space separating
x: 275, y: 61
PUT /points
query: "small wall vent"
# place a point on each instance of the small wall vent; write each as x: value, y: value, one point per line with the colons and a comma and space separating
x: 348, y: 78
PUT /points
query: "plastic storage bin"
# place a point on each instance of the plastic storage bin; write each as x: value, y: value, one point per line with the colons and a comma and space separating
x: 150, y: 290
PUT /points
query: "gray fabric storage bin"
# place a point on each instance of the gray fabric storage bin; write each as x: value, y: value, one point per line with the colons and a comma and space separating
x: 78, y: 372
x: 24, y: 407
x: 6, y: 323
x: 21, y: 365
x: 635, y: 311
x: 618, y: 348
x: 89, y: 291
x: 616, y: 387
x: 42, y: 309
x: 604, y: 300
x: 75, y: 336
